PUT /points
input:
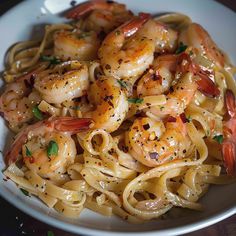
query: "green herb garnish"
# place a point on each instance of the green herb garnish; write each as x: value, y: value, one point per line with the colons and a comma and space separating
x: 181, y: 48
x: 218, y: 138
x: 53, y: 60
x: 37, y: 113
x: 52, y: 149
x: 122, y: 83
x: 191, y: 53
x: 135, y: 100
x: 25, y: 192
x: 28, y: 152
x: 50, y: 233
x: 189, y: 119
x: 161, y: 108
x: 208, y: 133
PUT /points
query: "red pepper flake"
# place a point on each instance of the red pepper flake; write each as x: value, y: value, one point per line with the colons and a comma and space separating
x: 31, y: 159
x: 146, y: 126
x: 171, y: 119
x: 183, y: 118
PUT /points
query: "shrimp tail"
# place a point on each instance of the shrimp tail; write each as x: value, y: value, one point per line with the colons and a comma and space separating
x: 13, y: 153
x: 71, y: 124
x: 230, y: 103
x: 207, y: 86
x: 21, y: 138
x: 229, y: 143
x: 84, y: 8
x: 229, y: 156
x: 131, y: 27
x: 30, y: 76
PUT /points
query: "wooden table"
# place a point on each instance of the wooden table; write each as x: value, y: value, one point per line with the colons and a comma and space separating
x: 14, y: 222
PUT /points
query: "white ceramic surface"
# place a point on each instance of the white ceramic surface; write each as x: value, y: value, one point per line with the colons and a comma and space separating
x: 25, y: 21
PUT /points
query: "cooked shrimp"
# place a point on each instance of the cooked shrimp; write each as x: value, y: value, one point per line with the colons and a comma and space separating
x: 229, y: 143
x: 164, y: 37
x: 124, y: 56
x: 18, y: 99
x: 66, y: 81
x: 100, y: 15
x: 196, y: 36
x: 34, y: 141
x: 110, y: 101
x: 76, y: 45
x: 157, y: 80
x: 189, y: 78
x: 152, y: 143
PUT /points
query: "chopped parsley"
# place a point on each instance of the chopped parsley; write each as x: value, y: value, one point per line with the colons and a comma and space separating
x: 208, y: 133
x: 37, y: 113
x: 53, y: 60
x: 191, y: 53
x: 122, y: 83
x: 218, y: 138
x: 50, y: 233
x: 189, y: 119
x: 52, y: 149
x: 135, y: 100
x: 161, y: 108
x: 181, y: 48
x: 28, y: 152
x: 25, y: 192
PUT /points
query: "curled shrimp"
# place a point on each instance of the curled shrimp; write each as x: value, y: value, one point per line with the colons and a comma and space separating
x: 157, y: 80
x: 18, y: 99
x: 100, y: 15
x: 110, y: 101
x: 229, y: 142
x: 64, y: 82
x: 124, y: 56
x: 197, y: 37
x: 35, y: 139
x: 164, y: 38
x: 152, y: 143
x: 76, y: 45
x: 188, y: 79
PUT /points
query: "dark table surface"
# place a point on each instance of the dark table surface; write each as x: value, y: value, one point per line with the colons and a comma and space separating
x: 14, y: 222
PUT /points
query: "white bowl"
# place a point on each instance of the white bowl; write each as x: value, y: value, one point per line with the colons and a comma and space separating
x: 25, y: 21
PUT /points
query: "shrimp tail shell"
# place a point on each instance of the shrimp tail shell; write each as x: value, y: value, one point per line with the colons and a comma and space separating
x: 229, y: 156
x: 230, y: 103
x: 207, y: 86
x: 84, y: 8
x: 229, y: 143
x: 132, y: 26
x: 70, y: 124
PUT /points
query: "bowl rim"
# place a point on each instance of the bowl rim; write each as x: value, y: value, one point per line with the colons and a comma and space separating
x: 206, y: 221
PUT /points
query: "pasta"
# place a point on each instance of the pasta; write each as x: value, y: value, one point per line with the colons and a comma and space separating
x: 122, y: 114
